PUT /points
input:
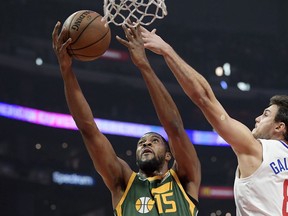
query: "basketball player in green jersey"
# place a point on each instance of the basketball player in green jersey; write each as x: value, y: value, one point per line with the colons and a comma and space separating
x: 155, y: 189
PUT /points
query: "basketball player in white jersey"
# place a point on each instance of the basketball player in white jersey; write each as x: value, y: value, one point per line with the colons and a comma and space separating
x: 261, y: 182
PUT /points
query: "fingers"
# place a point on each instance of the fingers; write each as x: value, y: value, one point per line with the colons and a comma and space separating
x: 133, y: 34
x: 132, y: 31
x: 66, y: 44
x: 137, y: 31
x: 55, y: 35
x: 60, y: 41
x: 55, y: 30
x: 128, y: 32
x: 122, y: 41
x: 144, y: 30
x: 63, y: 36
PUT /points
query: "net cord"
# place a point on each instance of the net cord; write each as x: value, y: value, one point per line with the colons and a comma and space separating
x: 125, y: 11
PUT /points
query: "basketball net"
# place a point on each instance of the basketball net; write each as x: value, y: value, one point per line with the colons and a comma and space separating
x: 142, y: 12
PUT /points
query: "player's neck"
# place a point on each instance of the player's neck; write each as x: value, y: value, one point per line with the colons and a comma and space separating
x: 144, y: 175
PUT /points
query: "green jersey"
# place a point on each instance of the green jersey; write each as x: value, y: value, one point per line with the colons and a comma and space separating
x: 154, y: 196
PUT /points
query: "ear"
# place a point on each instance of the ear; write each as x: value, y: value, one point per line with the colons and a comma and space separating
x: 168, y: 156
x: 281, y: 127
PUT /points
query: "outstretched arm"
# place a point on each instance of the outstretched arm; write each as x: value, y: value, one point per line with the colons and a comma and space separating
x: 200, y: 92
x: 108, y: 165
x: 187, y: 164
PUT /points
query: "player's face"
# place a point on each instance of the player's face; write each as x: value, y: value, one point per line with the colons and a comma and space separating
x: 150, y: 152
x: 265, y: 124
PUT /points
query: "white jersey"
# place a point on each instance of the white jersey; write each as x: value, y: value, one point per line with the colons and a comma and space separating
x: 265, y: 192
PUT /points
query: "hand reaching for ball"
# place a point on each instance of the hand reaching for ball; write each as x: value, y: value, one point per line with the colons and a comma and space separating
x: 60, y: 44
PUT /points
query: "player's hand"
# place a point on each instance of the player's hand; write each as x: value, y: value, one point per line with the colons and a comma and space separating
x: 153, y: 42
x: 60, y: 44
x: 135, y: 45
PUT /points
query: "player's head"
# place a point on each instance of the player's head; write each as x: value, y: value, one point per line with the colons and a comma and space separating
x: 273, y: 123
x: 152, y: 152
x: 281, y: 101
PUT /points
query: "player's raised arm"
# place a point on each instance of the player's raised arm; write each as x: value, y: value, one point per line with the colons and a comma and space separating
x: 187, y: 163
x: 200, y: 92
x: 113, y: 170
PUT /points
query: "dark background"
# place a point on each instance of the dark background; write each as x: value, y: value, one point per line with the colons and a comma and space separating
x: 251, y: 35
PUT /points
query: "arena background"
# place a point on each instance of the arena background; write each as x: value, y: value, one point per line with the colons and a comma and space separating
x: 251, y: 36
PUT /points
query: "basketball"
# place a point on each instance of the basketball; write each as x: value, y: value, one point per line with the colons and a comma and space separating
x: 90, y: 37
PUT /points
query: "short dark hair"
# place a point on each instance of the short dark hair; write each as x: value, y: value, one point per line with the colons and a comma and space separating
x: 281, y: 101
x: 163, y: 139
